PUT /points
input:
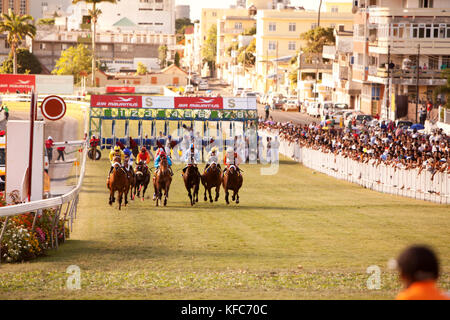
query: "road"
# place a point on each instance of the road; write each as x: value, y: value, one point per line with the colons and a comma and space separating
x: 277, y: 115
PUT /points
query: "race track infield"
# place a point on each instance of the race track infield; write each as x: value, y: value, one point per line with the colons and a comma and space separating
x: 295, y: 235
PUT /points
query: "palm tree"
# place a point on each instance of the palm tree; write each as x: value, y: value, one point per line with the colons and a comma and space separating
x: 318, y: 15
x: 18, y: 28
x: 94, y: 13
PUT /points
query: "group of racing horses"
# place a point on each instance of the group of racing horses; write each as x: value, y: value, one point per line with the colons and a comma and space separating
x: 133, y: 182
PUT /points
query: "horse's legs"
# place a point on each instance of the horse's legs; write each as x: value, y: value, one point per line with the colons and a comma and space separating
x: 196, y: 189
x: 205, y: 198
x: 166, y: 193
x: 120, y: 199
x: 234, y: 195
x: 237, y: 197
x: 111, y: 197
x: 226, y: 196
x: 190, y: 196
x: 217, y: 192
x: 210, y: 196
x: 143, y: 191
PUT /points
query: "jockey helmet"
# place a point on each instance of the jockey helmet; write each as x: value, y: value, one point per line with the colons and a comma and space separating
x: 214, y: 150
x: 93, y: 136
x: 49, y: 138
x: 127, y: 152
x: 230, y: 150
x: 116, y: 148
x: 143, y: 149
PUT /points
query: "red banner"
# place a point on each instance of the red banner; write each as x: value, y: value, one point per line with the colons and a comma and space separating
x: 120, y: 89
x: 116, y: 101
x: 198, y: 103
x: 17, y: 82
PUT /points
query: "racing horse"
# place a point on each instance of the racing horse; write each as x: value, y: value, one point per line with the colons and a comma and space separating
x: 192, y: 181
x: 132, y: 181
x: 212, y: 178
x: 161, y: 181
x: 232, y: 180
x: 118, y: 181
x: 142, y: 174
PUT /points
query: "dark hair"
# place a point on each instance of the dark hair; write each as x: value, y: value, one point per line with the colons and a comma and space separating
x: 418, y: 263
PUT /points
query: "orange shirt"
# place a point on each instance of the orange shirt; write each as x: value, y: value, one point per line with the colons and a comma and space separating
x: 423, y: 290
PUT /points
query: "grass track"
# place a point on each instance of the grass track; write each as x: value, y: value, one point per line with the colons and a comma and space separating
x: 295, y: 235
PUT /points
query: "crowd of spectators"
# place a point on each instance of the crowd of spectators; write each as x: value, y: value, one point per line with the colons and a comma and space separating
x: 399, y: 147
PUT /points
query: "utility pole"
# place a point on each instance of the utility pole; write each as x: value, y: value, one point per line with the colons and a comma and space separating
x: 299, y: 63
x: 388, y: 93
x: 417, y: 82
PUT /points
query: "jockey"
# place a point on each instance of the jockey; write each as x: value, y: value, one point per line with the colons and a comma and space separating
x: 143, y: 156
x: 116, y: 152
x: 192, y: 157
x: 212, y: 158
x: 161, y: 154
x: 232, y: 158
x: 128, y: 163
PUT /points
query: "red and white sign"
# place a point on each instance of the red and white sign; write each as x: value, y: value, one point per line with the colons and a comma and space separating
x: 120, y: 89
x: 116, y: 101
x: 17, y: 82
x: 198, y: 103
x: 53, y: 108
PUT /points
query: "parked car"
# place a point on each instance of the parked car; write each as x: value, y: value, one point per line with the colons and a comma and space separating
x: 363, y: 117
x: 203, y: 85
x: 250, y: 94
x: 189, y: 88
x: 313, y: 109
x: 341, y: 106
x: 291, y: 105
x: 326, y: 108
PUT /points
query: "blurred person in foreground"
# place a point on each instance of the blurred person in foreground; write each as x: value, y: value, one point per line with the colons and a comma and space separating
x: 419, y: 272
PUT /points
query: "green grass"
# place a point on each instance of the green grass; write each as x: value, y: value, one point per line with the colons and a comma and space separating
x: 295, y: 235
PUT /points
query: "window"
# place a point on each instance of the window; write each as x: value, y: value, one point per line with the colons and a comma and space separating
x: 272, y: 26
x: 7, y: 46
x: 428, y: 29
x: 154, y: 80
x: 292, y: 26
x: 11, y: 4
x: 433, y: 62
x: 176, y: 80
x: 445, y: 62
x: 272, y: 45
x: 23, y: 6
x: 314, y: 25
x: 238, y: 25
x: 334, y: 9
x: 214, y: 14
x: 104, y: 47
x: 42, y: 46
x: 291, y: 45
x: 124, y: 48
x: 425, y: 3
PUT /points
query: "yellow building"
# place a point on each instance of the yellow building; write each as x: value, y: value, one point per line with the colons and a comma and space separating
x: 278, y: 40
x: 211, y: 15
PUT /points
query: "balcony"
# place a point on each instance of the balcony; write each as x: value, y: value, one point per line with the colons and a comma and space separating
x: 81, y: 39
x: 407, y: 77
x: 329, y: 52
x: 85, y: 26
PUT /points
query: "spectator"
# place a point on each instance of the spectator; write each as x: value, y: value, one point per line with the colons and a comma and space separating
x: 419, y: 272
x: 61, y: 151
x: 49, y: 148
x: 269, y: 151
x: 267, y: 109
x: 423, y: 115
x: 6, y: 109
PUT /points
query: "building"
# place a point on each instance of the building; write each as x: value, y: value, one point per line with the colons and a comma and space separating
x: 278, y: 41
x: 156, y: 16
x: 182, y: 11
x: 230, y: 30
x: 18, y: 6
x: 267, y: 4
x: 116, y: 50
x: 413, y: 36
x: 170, y: 76
x: 340, y: 84
x: 43, y: 8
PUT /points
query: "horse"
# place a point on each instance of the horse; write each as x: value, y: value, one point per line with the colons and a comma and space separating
x: 142, y: 174
x: 192, y: 181
x: 132, y: 181
x: 161, y: 181
x: 232, y: 180
x: 118, y: 181
x: 212, y: 178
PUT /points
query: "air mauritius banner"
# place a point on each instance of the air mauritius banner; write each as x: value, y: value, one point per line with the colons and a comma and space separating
x: 17, y: 82
x: 161, y: 102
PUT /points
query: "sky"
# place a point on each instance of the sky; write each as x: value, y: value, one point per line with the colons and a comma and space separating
x: 197, y: 5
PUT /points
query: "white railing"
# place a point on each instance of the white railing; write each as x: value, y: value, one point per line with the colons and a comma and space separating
x: 384, y: 178
x: 70, y: 198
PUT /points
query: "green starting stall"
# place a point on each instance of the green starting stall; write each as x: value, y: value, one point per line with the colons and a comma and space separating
x: 219, y: 114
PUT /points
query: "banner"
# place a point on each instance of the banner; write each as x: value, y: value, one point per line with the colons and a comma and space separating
x: 157, y: 102
x: 119, y: 89
x: 239, y: 103
x: 17, y: 82
x: 116, y: 101
x: 198, y: 103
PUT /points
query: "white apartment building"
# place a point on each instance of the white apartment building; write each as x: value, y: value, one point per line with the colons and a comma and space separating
x: 42, y: 8
x: 155, y: 16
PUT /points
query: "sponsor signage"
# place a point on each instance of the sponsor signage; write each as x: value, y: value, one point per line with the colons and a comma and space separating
x: 17, y: 82
x: 198, y: 103
x: 47, y: 84
x: 116, y: 101
x: 120, y: 89
x: 164, y: 102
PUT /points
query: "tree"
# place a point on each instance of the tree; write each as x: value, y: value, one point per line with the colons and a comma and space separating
x: 162, y: 55
x: 209, y: 49
x: 141, y: 69
x: 177, y: 59
x: 94, y: 13
x: 445, y: 89
x: 250, y: 32
x: 46, y: 22
x: 246, y: 54
x: 26, y: 63
x: 73, y: 61
x: 18, y: 27
x: 317, y: 38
